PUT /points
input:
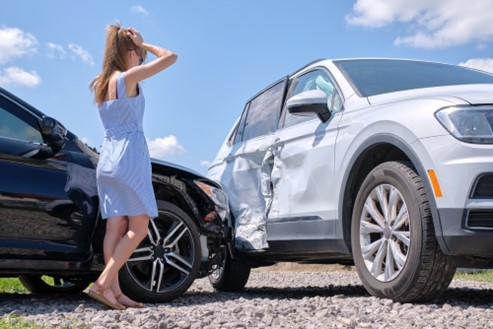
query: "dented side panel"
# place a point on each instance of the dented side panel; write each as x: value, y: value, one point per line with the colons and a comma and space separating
x: 244, y: 176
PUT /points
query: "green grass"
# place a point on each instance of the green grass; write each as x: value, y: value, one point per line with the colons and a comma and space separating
x: 482, y: 276
x: 11, y: 285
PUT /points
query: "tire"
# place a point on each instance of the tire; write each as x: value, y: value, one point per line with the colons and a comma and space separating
x: 167, y: 261
x: 45, y: 284
x: 231, y: 276
x: 395, y: 251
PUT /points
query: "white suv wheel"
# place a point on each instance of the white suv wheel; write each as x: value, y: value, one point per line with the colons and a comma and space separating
x: 385, y: 232
x: 392, y: 237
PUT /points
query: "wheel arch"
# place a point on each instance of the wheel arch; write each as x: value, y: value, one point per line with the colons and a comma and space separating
x: 171, y: 193
x: 185, y: 195
x: 374, y: 151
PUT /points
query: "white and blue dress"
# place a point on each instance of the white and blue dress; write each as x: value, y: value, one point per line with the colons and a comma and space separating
x: 124, y: 173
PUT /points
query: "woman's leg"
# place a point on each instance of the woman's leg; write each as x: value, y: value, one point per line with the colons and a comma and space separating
x: 137, y: 231
x: 116, y: 227
x: 114, y: 233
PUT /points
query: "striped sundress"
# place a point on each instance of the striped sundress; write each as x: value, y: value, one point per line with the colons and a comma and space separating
x: 124, y: 169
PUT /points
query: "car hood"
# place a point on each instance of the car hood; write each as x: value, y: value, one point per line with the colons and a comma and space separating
x: 168, y: 167
x: 464, y: 94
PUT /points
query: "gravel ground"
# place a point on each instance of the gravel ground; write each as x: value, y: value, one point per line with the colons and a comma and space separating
x: 271, y: 299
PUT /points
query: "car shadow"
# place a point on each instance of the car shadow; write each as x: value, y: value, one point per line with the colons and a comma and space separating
x: 269, y: 293
x: 460, y: 297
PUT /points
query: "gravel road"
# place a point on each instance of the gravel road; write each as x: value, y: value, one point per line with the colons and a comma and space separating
x: 284, y: 299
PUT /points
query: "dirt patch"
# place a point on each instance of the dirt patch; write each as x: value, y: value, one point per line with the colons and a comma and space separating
x: 296, y: 267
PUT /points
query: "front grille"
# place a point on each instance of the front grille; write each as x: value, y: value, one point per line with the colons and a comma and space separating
x: 480, y: 219
x: 483, y: 188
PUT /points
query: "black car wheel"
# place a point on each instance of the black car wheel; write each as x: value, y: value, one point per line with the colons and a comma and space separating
x: 231, y: 276
x: 166, y: 263
x: 45, y: 284
x: 393, y: 239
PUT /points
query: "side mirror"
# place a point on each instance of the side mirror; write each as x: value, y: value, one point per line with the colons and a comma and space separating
x: 53, y: 132
x: 311, y: 101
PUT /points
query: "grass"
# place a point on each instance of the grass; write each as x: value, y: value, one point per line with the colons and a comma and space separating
x: 482, y: 276
x: 14, y: 286
x: 11, y: 285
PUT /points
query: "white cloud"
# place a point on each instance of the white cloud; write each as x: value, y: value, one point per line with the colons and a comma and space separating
x: 434, y: 23
x: 15, y: 43
x: 205, y: 163
x: 80, y: 52
x: 162, y: 147
x: 55, y: 50
x: 18, y: 77
x: 483, y: 64
x: 139, y: 10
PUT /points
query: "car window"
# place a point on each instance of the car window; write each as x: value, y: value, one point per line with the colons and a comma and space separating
x: 371, y: 77
x: 263, y: 113
x: 13, y: 127
x: 317, y: 79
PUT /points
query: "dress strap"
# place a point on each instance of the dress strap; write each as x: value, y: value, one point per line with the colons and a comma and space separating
x: 120, y: 86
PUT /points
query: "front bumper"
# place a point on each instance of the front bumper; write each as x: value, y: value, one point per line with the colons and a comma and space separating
x: 464, y: 226
x: 463, y: 239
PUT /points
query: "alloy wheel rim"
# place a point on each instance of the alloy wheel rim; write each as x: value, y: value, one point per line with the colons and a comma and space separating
x: 165, y: 259
x: 385, y: 233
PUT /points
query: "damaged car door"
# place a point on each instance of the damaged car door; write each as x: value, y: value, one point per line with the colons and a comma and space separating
x: 246, y: 169
x: 303, y: 159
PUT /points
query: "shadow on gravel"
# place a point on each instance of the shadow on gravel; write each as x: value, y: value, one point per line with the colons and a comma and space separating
x: 466, y: 297
x: 460, y: 297
x: 280, y: 293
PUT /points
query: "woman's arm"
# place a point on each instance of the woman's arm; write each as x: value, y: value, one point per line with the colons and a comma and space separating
x: 164, y: 59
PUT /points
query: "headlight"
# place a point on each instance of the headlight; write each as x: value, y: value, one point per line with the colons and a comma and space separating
x: 468, y: 124
x: 218, y: 196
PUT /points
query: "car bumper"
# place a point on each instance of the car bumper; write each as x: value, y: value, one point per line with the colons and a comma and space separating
x: 465, y: 208
x: 463, y: 239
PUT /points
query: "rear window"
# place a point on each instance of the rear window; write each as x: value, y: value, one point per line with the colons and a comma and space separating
x: 371, y: 77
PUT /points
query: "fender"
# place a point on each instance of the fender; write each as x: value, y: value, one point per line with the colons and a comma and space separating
x: 399, y: 143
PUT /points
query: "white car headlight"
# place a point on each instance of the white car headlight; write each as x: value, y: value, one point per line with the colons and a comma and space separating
x: 468, y: 124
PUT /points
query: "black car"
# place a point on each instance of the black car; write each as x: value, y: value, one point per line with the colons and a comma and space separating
x: 51, y: 231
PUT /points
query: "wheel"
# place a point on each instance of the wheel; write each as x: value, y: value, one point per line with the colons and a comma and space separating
x: 45, y: 284
x: 231, y: 276
x: 393, y: 240
x: 165, y: 263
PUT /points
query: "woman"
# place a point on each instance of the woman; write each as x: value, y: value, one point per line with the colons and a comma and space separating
x: 124, y: 170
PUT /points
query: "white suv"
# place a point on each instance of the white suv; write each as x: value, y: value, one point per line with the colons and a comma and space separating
x: 382, y: 162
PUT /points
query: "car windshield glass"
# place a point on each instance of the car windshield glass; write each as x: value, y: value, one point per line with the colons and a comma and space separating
x: 371, y: 77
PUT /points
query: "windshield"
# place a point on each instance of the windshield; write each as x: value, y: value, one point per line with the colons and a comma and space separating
x: 371, y: 77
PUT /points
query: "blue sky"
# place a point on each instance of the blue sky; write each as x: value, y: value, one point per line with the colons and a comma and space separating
x: 227, y: 51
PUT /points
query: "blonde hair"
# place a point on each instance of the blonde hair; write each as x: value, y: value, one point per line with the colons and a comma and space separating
x: 117, y: 44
